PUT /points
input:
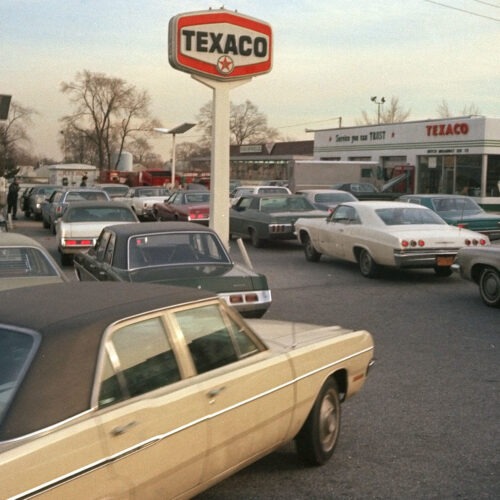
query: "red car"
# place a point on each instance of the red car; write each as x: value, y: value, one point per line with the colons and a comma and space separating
x: 191, y: 206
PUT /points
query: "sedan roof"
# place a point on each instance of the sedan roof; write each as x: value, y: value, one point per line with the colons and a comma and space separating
x: 70, y: 319
x: 127, y: 230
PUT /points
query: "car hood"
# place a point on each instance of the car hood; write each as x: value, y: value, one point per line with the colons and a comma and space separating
x: 214, y: 277
x: 282, y: 336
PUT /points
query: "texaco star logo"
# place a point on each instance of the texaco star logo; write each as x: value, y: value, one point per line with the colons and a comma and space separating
x: 225, y: 65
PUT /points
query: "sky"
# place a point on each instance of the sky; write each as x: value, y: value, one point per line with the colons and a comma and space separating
x: 330, y: 57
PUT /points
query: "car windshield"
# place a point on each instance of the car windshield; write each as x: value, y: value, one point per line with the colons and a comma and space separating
x: 16, y: 350
x: 461, y: 205
x: 198, y: 198
x: 24, y: 262
x: 403, y: 216
x: 116, y: 191
x: 87, y: 195
x: 159, y: 191
x: 285, y: 204
x: 333, y: 197
x: 172, y: 249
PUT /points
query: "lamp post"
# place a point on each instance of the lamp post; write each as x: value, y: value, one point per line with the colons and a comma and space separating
x: 180, y: 129
x: 378, y: 103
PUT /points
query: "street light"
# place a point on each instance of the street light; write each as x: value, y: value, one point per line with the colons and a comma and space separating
x: 378, y: 103
x: 180, y: 129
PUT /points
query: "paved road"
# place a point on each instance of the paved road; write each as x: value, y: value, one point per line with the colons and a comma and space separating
x: 426, y: 425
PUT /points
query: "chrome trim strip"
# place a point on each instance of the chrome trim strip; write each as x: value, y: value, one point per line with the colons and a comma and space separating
x: 154, y: 439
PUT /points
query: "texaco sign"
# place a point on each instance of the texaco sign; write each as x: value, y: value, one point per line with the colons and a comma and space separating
x: 220, y: 44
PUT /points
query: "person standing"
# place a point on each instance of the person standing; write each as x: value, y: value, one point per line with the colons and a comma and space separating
x: 3, y: 192
x: 12, y: 197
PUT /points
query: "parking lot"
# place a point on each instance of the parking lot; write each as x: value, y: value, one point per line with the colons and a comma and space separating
x: 426, y: 423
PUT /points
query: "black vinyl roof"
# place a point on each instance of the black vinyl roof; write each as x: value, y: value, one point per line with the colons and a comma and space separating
x: 127, y: 230
x: 70, y: 319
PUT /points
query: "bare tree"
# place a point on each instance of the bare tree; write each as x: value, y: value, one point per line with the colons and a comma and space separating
x: 108, y: 112
x: 391, y: 112
x: 13, y: 136
x: 444, y: 111
x: 246, y: 124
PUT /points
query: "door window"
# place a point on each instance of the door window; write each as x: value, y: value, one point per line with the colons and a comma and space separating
x: 139, y: 359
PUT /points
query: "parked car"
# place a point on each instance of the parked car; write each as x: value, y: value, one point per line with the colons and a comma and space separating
x: 326, y: 199
x: 32, y: 202
x: 82, y: 222
x: 62, y: 197
x: 142, y: 200
x: 366, y: 191
x: 238, y: 192
x: 379, y: 233
x: 114, y: 189
x: 482, y: 266
x: 114, y: 390
x: 459, y: 211
x: 174, y: 253
x: 265, y: 218
x: 25, y: 262
x: 190, y: 206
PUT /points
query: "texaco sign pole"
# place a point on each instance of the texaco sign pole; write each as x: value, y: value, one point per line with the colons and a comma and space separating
x: 222, y: 50
x: 219, y: 159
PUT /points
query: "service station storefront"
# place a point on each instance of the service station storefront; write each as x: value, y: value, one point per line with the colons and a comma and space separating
x: 456, y: 155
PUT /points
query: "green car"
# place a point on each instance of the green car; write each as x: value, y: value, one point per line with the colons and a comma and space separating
x: 460, y: 211
x: 270, y: 217
x: 174, y: 253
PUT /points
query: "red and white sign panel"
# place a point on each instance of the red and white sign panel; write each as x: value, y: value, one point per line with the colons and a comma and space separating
x: 220, y: 44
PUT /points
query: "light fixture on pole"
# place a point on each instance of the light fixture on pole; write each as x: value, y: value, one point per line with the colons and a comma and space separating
x: 180, y: 129
x: 378, y: 103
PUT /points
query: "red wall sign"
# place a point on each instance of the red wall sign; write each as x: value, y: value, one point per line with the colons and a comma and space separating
x: 221, y: 45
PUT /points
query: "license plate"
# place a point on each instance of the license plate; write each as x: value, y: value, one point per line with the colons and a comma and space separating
x: 444, y: 260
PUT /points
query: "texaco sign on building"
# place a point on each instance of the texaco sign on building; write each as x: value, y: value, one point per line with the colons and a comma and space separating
x: 221, y: 45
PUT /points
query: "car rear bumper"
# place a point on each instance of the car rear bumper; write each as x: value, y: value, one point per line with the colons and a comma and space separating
x: 425, y: 258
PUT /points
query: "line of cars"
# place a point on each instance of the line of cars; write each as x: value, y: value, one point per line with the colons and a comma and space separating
x: 170, y: 381
x: 326, y: 222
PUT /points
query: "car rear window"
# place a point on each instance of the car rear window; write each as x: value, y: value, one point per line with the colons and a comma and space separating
x: 23, y: 262
x: 16, y: 351
x: 100, y: 214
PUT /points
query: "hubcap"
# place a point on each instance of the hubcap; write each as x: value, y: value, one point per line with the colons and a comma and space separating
x: 328, y: 422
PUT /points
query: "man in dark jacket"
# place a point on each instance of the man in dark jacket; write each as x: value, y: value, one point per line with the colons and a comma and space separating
x: 12, y: 197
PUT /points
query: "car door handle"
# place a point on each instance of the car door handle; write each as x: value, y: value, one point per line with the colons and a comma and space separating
x: 215, y: 392
x: 122, y: 429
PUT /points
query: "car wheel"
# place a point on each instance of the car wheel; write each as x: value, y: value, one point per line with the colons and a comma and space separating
x: 489, y: 287
x: 254, y: 238
x: 443, y: 271
x: 316, y: 440
x: 312, y: 255
x: 367, y: 265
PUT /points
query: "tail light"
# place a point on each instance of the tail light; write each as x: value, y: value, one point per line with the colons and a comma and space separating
x: 475, y: 242
x: 197, y: 215
x: 412, y: 243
